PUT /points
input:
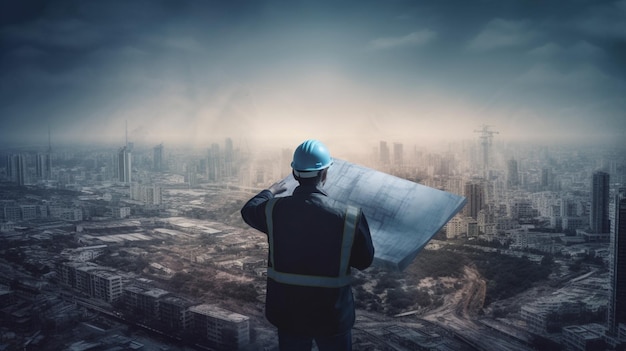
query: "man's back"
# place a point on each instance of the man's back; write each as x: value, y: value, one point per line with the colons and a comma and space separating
x: 307, y: 240
x: 313, y: 242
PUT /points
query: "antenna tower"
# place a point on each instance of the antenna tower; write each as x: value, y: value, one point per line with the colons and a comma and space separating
x: 486, y: 139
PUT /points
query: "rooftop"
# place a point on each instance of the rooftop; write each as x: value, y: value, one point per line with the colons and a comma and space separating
x: 217, y: 312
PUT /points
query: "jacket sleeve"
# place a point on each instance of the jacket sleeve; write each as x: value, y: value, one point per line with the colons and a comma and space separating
x: 362, y: 254
x: 253, y: 212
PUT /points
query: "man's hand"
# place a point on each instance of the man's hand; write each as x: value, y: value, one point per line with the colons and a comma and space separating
x: 278, y: 187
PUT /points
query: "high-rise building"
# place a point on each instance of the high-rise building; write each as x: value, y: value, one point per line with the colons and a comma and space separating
x: 20, y: 169
x: 229, y: 151
x: 214, y: 164
x: 43, y: 166
x: 157, y: 160
x: 486, y: 137
x: 10, y: 167
x: 474, y: 193
x: 512, y: 175
x: 47, y: 162
x: 124, y: 162
x: 229, y: 159
x: 599, y: 214
x: 617, y: 294
x: 398, y: 158
x: 384, y: 153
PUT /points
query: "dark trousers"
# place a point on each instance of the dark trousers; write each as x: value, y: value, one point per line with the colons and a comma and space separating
x: 291, y: 342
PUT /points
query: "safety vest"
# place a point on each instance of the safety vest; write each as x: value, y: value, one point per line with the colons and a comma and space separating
x: 344, y: 278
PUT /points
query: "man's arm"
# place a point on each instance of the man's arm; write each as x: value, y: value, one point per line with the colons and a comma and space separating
x: 363, y: 249
x: 253, y: 212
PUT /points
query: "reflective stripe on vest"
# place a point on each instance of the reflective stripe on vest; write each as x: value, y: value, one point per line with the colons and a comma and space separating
x: 344, y: 279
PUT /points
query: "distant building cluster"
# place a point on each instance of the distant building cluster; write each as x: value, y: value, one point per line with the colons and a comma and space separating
x: 538, y: 202
x: 224, y: 330
x: 13, y: 211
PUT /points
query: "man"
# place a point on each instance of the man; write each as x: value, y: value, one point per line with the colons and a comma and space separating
x: 313, y: 242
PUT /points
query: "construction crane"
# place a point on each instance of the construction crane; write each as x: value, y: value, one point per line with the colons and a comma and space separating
x: 486, y: 137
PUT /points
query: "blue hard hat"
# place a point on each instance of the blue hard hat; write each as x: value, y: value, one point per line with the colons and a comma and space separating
x: 311, y: 156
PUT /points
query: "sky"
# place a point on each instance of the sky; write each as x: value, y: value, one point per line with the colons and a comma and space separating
x: 284, y: 71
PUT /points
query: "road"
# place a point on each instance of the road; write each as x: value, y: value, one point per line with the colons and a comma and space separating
x: 459, y: 315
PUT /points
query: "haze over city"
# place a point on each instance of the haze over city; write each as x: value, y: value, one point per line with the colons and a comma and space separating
x: 269, y: 71
x: 483, y: 142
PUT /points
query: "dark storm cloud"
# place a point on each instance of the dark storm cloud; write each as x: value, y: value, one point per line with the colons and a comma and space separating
x: 188, y: 69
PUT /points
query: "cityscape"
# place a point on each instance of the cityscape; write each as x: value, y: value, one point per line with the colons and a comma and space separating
x: 142, y: 247
x: 484, y: 140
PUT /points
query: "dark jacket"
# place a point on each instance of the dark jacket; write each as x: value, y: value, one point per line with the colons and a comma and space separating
x: 308, y: 230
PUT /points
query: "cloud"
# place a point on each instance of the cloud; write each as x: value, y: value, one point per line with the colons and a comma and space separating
x: 606, y: 21
x: 583, y: 77
x: 500, y: 33
x: 585, y: 50
x: 60, y: 33
x: 546, y: 50
x: 582, y: 50
x: 419, y: 38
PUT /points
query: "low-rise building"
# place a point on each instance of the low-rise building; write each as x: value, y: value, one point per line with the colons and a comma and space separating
x: 587, y: 337
x: 94, y: 280
x: 174, y: 312
x: 222, y: 329
x: 143, y: 300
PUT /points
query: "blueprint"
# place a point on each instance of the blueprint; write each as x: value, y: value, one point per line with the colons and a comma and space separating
x: 403, y: 216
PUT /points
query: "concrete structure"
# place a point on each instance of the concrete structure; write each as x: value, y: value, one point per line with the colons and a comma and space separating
x: 617, y: 268
x: 398, y: 157
x: 599, y: 214
x: 124, y: 165
x: 536, y: 318
x: 20, y: 169
x: 68, y: 214
x: 157, y: 159
x: 94, y: 280
x: 214, y: 164
x: 174, y: 312
x: 143, y: 300
x: 583, y: 337
x: 512, y: 174
x: 148, y: 194
x: 383, y: 152
x: 474, y: 193
x: 224, y: 330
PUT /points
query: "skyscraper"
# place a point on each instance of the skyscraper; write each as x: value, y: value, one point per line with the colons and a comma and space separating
x: 214, y: 169
x: 20, y: 170
x: 157, y: 161
x: 599, y: 214
x: 512, y: 175
x: 384, y: 153
x: 47, y: 171
x: 43, y: 162
x: 398, y: 158
x: 229, y: 158
x: 124, y: 161
x: 10, y: 165
x: 474, y: 193
x: 617, y: 294
x: 40, y: 166
x: 546, y: 178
